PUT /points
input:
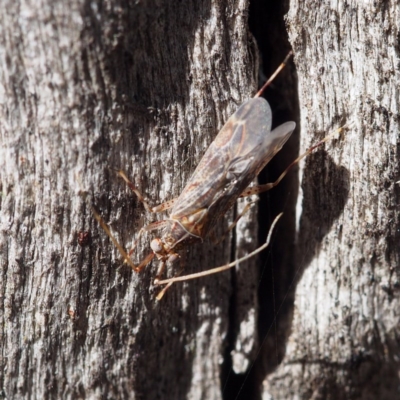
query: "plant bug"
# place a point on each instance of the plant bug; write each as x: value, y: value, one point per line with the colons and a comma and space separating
x: 236, y: 156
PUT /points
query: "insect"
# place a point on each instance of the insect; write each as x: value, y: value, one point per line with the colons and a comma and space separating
x: 236, y: 156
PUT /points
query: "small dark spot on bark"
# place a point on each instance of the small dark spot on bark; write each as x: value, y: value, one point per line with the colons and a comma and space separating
x: 83, y: 238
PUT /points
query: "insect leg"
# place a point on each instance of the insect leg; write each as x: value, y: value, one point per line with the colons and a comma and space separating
x: 136, y: 268
x: 160, y: 271
x: 165, y: 288
x: 268, y: 186
x: 273, y: 76
x: 223, y: 267
x: 162, y: 292
x: 172, y: 257
x: 159, y: 208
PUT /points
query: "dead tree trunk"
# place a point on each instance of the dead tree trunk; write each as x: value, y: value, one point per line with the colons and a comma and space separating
x: 343, y: 339
x: 87, y: 87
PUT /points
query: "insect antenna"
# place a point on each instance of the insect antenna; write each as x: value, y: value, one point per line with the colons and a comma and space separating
x: 273, y: 76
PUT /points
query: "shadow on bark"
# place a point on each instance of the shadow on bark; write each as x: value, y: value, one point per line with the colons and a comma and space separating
x: 323, y: 202
x: 322, y: 205
x: 266, y: 20
x: 160, y: 364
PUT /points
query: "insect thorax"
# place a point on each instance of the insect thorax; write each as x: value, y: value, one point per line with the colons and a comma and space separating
x: 176, y: 236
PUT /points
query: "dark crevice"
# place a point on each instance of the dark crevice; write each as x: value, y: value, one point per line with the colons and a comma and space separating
x: 278, y: 271
x: 232, y: 383
x: 228, y: 377
x: 266, y: 20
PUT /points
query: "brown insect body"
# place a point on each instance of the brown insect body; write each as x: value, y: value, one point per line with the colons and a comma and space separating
x: 236, y: 156
x: 240, y: 150
x: 175, y: 237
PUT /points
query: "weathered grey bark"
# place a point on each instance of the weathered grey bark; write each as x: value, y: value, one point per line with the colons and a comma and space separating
x: 87, y: 87
x: 145, y: 86
x: 344, y: 336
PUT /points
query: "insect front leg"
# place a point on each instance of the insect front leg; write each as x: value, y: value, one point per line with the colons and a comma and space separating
x: 171, y: 258
x: 126, y: 257
x: 168, y: 285
x: 161, y: 207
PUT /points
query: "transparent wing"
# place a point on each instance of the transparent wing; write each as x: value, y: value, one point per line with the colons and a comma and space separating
x: 241, y: 149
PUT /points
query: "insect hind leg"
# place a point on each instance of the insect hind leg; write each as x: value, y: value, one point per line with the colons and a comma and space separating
x: 268, y: 186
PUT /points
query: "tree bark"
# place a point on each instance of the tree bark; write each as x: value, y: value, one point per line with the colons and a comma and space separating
x: 343, y: 339
x: 90, y: 87
x: 87, y: 87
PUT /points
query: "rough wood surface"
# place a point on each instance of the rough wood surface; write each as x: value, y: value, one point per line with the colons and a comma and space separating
x: 344, y: 334
x: 86, y: 87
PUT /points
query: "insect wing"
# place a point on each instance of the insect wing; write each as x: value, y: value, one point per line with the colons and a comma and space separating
x: 241, y: 149
x: 275, y: 141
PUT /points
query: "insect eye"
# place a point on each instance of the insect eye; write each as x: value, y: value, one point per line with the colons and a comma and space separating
x: 157, y: 246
